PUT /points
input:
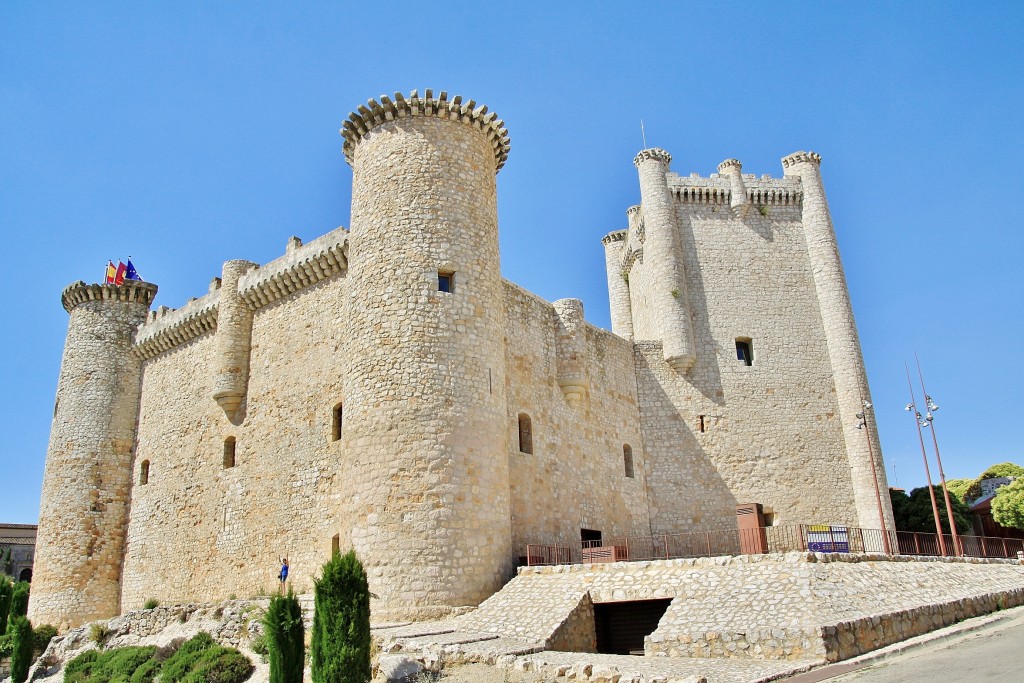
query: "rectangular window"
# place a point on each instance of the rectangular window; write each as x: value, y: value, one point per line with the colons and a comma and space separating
x: 745, y: 351
x: 445, y: 281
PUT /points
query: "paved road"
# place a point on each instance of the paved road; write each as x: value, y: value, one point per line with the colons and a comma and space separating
x: 993, y: 653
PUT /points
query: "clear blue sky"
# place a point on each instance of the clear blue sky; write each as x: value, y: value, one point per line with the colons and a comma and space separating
x: 188, y: 133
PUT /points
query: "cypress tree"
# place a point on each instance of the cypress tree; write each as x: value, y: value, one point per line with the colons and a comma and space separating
x: 22, y: 642
x: 341, y: 622
x: 285, y: 637
x: 19, y: 600
x: 5, y: 602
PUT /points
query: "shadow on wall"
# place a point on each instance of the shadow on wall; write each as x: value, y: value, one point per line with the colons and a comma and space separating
x: 685, y: 489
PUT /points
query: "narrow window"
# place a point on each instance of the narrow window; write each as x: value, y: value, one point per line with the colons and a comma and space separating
x: 745, y: 351
x: 700, y: 423
x: 229, y: 452
x: 525, y: 434
x: 336, y: 423
x: 627, y: 460
x: 335, y: 545
x: 445, y: 281
x: 144, y: 472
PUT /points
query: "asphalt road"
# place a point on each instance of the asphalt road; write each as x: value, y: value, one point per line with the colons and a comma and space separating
x: 992, y: 653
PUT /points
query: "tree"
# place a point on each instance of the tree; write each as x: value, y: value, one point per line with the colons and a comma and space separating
x: 22, y: 642
x: 1003, y: 469
x: 1008, y: 505
x: 19, y: 599
x: 959, y: 487
x: 914, y: 512
x: 285, y: 638
x: 6, y: 565
x: 340, y: 650
x: 5, y: 602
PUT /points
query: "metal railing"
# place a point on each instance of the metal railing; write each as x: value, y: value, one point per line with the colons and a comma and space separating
x: 802, y: 537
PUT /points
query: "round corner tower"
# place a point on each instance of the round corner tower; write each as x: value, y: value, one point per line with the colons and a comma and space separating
x: 870, y: 487
x: 425, y: 407
x: 88, y: 475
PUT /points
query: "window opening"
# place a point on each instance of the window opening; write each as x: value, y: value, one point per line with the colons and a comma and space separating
x: 627, y: 460
x: 336, y: 421
x: 229, y: 452
x: 335, y: 545
x: 445, y: 281
x: 144, y: 472
x: 745, y: 351
x: 700, y: 423
x: 525, y: 434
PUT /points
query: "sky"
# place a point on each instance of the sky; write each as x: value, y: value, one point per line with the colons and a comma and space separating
x: 184, y: 134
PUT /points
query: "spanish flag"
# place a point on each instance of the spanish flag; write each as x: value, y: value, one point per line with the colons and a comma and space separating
x: 111, y: 273
x: 119, y: 275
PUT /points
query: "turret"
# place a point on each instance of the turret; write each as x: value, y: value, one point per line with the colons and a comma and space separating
x: 843, y: 343
x: 88, y: 474
x: 233, y: 340
x: 732, y: 169
x: 570, y: 348
x: 618, y: 284
x: 663, y: 254
x: 425, y: 411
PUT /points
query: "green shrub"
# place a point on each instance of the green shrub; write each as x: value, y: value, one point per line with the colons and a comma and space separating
x: 219, y: 665
x: 21, y: 657
x: 150, y: 604
x: 147, y: 672
x: 6, y: 646
x: 181, y: 662
x: 80, y: 668
x: 5, y: 602
x: 19, y: 600
x: 41, y: 637
x: 341, y: 622
x: 284, y: 636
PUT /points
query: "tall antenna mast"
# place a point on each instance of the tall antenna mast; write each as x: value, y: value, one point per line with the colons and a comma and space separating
x: 642, y: 134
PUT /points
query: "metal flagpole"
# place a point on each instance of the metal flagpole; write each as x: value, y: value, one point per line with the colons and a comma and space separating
x: 912, y: 407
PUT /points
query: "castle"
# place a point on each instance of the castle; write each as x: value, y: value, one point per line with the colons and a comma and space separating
x: 383, y: 388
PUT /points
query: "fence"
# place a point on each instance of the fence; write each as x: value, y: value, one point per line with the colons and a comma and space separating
x: 804, y: 537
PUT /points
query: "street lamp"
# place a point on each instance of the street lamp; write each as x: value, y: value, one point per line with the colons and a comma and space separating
x: 863, y: 424
x: 921, y: 422
x: 942, y: 475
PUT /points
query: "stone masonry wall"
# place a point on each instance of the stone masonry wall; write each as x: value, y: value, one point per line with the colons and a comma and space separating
x: 575, y: 478
x: 725, y: 433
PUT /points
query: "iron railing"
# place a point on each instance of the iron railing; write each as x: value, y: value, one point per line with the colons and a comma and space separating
x: 802, y: 537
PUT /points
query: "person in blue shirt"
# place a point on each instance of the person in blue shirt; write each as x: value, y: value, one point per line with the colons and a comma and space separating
x: 283, y: 575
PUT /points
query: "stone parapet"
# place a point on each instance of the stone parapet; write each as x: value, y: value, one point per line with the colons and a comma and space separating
x: 374, y: 114
x: 133, y: 291
x: 303, y: 266
x: 167, y: 328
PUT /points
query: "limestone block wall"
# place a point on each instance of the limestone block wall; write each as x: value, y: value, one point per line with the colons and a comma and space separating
x: 791, y: 606
x: 86, y: 482
x: 575, y: 477
x: 198, y: 527
x: 770, y: 432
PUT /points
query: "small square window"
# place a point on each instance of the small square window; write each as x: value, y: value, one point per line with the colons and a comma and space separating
x: 745, y: 351
x: 445, y: 282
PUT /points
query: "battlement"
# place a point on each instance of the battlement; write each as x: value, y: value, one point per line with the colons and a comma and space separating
x: 655, y: 153
x: 131, y: 291
x: 716, y: 189
x: 801, y: 157
x: 300, y: 267
x: 374, y: 114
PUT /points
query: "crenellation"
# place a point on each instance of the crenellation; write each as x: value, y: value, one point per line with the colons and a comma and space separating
x: 165, y: 328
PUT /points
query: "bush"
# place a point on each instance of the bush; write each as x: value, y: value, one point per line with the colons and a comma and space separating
x: 181, y: 662
x: 114, y: 666
x: 199, y: 660
x: 150, y: 604
x: 219, y: 665
x: 21, y: 656
x: 99, y: 633
x: 6, y: 646
x: 341, y: 622
x: 19, y: 600
x: 284, y: 636
x: 5, y: 602
x: 41, y: 637
x: 79, y: 668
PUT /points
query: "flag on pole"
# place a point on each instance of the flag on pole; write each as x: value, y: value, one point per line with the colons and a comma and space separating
x: 119, y: 276
x: 131, y: 273
x: 111, y: 273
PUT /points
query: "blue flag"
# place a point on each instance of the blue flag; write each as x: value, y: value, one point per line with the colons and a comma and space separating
x: 131, y: 273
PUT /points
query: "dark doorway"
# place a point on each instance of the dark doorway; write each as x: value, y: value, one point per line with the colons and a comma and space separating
x: 26, y: 575
x: 591, y: 538
x: 622, y: 626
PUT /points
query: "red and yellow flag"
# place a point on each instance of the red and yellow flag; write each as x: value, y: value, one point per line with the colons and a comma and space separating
x: 111, y: 273
x: 119, y: 275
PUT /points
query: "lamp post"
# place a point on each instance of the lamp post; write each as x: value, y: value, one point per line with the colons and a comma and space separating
x: 863, y: 424
x: 930, y: 404
x: 921, y: 422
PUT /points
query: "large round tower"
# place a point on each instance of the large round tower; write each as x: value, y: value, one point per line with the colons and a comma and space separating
x: 424, y: 409
x: 87, y: 479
